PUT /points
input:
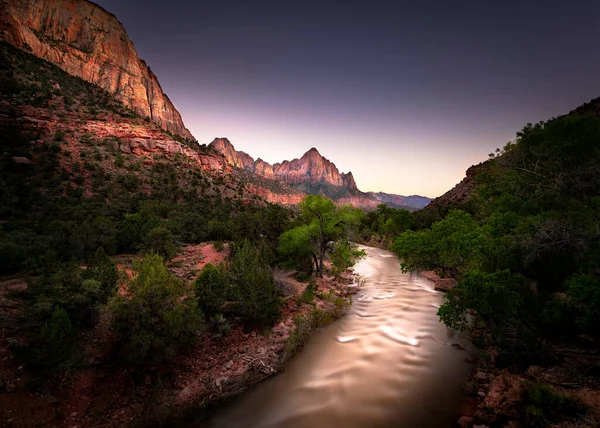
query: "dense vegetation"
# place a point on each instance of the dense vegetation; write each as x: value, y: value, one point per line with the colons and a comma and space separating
x: 322, y: 228
x: 72, y: 200
x: 525, y: 249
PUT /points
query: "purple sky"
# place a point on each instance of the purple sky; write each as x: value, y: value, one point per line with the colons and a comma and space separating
x: 406, y: 95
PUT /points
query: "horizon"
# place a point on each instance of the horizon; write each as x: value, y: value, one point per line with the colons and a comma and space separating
x: 406, y: 97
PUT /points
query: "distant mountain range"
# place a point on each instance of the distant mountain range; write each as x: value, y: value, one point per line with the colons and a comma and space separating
x: 90, y: 43
x: 315, y: 174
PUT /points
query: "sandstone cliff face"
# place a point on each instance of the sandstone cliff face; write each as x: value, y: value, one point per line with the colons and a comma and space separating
x: 312, y: 173
x: 87, y: 41
x: 233, y: 157
x: 310, y: 168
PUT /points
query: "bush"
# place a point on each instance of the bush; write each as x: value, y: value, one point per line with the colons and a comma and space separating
x: 543, y: 406
x: 344, y: 256
x: 496, y: 298
x: 212, y: 289
x: 253, y: 288
x: 161, y: 241
x: 308, y: 296
x: 103, y: 270
x: 71, y: 289
x: 156, y: 317
x: 585, y: 292
x: 57, y: 339
x: 219, y: 326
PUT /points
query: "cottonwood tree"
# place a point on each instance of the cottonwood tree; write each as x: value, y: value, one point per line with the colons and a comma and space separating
x: 323, y: 224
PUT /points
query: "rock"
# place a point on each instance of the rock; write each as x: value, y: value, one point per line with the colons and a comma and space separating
x: 481, y: 393
x: 20, y: 160
x: 465, y: 422
x: 229, y: 364
x: 10, y: 387
x: 88, y: 42
x: 72, y: 415
x: 482, y: 377
x: 220, y: 381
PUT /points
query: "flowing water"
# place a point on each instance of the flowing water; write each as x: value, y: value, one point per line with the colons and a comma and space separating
x: 388, y: 363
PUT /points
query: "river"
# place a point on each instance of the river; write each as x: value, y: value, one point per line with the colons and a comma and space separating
x: 388, y: 363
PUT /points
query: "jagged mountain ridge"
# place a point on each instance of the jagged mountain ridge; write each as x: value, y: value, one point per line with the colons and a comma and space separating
x: 314, y: 174
x: 310, y: 168
x: 86, y: 41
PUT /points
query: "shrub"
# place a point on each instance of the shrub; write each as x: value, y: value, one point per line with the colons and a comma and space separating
x: 156, y: 317
x: 585, y: 291
x: 219, y: 326
x: 212, y: 289
x: 496, y: 298
x: 253, y: 288
x: 103, y: 270
x: 68, y: 288
x: 57, y: 339
x: 543, y: 406
x: 308, y: 296
x: 161, y: 240
x: 344, y: 256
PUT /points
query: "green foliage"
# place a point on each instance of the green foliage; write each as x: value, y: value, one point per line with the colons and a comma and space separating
x: 525, y: 248
x: 542, y: 406
x: 253, y: 287
x: 495, y: 298
x: 212, y: 289
x: 308, y: 295
x: 321, y: 224
x: 585, y: 292
x: 57, y: 340
x: 455, y: 243
x: 103, y: 270
x: 219, y: 326
x: 77, y: 291
x: 161, y: 241
x: 344, y: 256
x: 384, y: 222
x: 156, y: 317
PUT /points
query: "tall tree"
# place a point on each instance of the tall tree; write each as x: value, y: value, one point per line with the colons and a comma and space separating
x: 322, y: 224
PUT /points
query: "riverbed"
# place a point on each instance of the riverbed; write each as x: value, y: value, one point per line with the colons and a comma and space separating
x: 388, y: 363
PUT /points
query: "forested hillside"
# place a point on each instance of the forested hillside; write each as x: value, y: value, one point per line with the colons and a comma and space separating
x: 525, y: 250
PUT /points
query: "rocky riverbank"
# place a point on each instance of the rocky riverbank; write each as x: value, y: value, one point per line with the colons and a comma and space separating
x: 98, y: 392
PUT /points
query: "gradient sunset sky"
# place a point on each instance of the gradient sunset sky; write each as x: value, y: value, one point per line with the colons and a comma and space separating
x: 406, y: 95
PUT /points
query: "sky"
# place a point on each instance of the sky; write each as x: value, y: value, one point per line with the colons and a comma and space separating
x: 406, y: 95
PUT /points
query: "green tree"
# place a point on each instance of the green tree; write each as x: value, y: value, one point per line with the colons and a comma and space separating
x: 212, y: 289
x: 344, y: 256
x: 161, y: 241
x: 322, y: 224
x: 57, y: 339
x: 253, y: 287
x: 156, y: 317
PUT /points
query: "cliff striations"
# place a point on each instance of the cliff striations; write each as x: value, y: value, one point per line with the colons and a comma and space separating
x: 88, y: 42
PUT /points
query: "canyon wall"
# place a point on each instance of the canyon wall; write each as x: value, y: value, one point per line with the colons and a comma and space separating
x: 88, y: 42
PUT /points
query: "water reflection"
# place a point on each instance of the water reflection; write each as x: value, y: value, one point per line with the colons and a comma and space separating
x: 388, y: 363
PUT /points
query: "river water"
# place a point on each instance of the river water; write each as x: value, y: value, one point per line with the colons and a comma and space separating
x: 388, y: 363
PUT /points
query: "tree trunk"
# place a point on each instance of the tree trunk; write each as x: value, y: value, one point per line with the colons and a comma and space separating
x: 321, y: 257
x: 316, y: 264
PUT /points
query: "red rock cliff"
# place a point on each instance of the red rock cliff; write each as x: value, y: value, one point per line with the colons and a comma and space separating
x: 87, y: 41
